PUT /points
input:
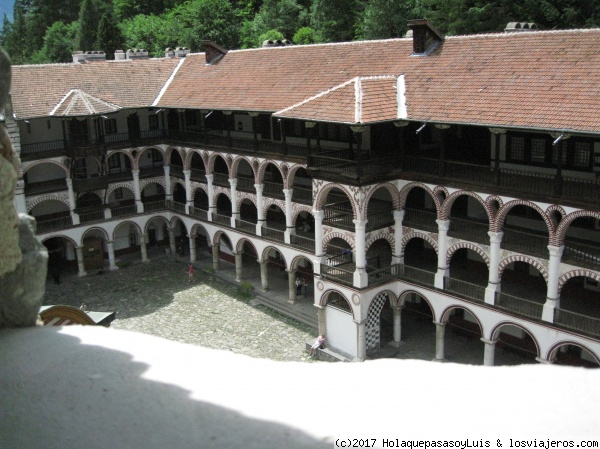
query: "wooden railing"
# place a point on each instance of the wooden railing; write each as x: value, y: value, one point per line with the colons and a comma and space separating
x: 245, y: 184
x: 42, y: 149
x: 525, y: 242
x: 86, y: 217
x: 273, y: 234
x: 151, y: 172
x: 380, y: 219
x: 120, y: 211
x: 581, y: 323
x: 54, y: 185
x: 198, y: 175
x: 416, y: 275
x: 156, y: 205
x: 581, y: 254
x: 54, y: 224
x: 245, y: 226
x: 302, y: 195
x: 464, y: 288
x: 176, y: 206
x: 199, y: 213
x: 470, y: 230
x: 420, y: 219
x: 221, y: 219
x: 339, y: 274
x: 221, y: 179
x: 303, y: 242
x: 521, y: 306
x: 273, y: 189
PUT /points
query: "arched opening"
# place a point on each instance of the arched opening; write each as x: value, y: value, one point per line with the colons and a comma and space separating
x: 197, y: 168
x: 225, y: 248
x: 153, y: 197
x: 582, y: 243
x: 468, y: 220
x: 126, y: 239
x: 176, y: 164
x: 220, y: 172
x: 420, y: 211
x: 380, y: 324
x: 525, y: 232
x: 245, y: 177
x: 250, y: 265
x: 523, y: 289
x: 122, y: 202
x: 89, y: 207
x: 418, y: 329
x: 151, y: 164
x: 157, y: 234
x: 94, y: 250
x: 182, y: 241
x: 274, y: 227
x: 273, y: 182
x: 302, y: 185
x: 179, y: 195
x: 339, y: 261
x: 305, y: 232
x: 574, y: 355
x: 44, y: 178
x: 50, y: 215
x: 201, y: 203
x: 118, y: 167
x: 202, y: 240
x: 380, y: 210
x: 463, y: 338
x: 223, y: 213
x: 338, y: 211
x: 379, y: 261
x: 420, y: 261
x: 468, y: 274
x: 514, y: 346
x: 62, y: 258
x: 580, y: 305
x: 303, y: 269
x: 84, y: 168
x: 248, y: 216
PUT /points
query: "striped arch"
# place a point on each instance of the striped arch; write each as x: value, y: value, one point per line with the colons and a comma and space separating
x: 497, y: 224
x: 289, y: 182
x: 447, y: 206
x: 187, y: 162
x: 407, y: 188
x: 40, y: 199
x: 221, y: 191
x: 246, y: 196
x: 402, y: 301
x: 95, y: 228
x: 48, y: 161
x: 300, y: 208
x: 420, y: 235
x: 236, y: 163
x: 551, y: 354
x: 120, y: 185
x: 147, y: 182
x: 138, y: 158
x: 174, y: 182
x: 391, y: 188
x: 321, y: 197
x: 182, y: 154
x: 496, y: 332
x: 210, y: 167
x: 268, y: 202
x: 373, y: 324
x: 561, y: 232
x: 126, y: 153
x: 577, y: 273
x: 521, y: 258
x: 197, y: 187
x: 60, y: 236
x: 329, y: 237
x: 263, y: 166
x: 381, y: 236
x: 445, y: 316
x: 124, y: 223
x: 325, y: 297
x: 467, y: 245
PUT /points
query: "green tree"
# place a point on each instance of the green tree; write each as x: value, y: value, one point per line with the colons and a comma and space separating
x: 88, y: 26
x: 127, y: 9
x: 386, y: 19
x: 146, y: 32
x: 110, y: 37
x: 305, y: 35
x: 335, y: 20
x: 285, y: 16
x: 59, y: 42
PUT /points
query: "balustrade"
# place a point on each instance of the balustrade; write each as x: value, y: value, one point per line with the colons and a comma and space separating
x: 577, y: 322
x: 521, y: 306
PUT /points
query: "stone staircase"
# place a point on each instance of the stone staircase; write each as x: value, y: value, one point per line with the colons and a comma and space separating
x: 288, y: 309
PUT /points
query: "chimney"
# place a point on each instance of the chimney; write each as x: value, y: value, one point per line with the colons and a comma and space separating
x: 137, y: 53
x: 278, y: 43
x: 213, y: 52
x: 81, y: 57
x: 426, y: 37
x: 119, y: 55
x: 179, y: 52
x: 515, y: 27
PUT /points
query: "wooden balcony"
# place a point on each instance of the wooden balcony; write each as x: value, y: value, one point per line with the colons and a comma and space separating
x: 90, y: 184
x: 54, y: 185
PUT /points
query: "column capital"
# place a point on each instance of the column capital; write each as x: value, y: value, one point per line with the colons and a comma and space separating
x: 556, y: 251
x: 439, y: 324
x: 495, y: 237
x: 259, y: 188
x: 360, y: 224
x: 488, y: 342
x: 320, y: 214
x: 288, y: 193
x: 399, y: 215
x: 233, y: 182
x: 443, y: 225
x: 187, y: 172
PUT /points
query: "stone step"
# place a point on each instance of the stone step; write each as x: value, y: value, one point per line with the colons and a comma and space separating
x: 289, y: 310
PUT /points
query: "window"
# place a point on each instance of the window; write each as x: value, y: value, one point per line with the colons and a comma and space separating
x: 114, y: 162
x: 119, y: 193
x: 555, y: 150
x: 110, y: 126
x: 153, y: 121
x: 191, y: 119
x: 538, y: 151
x: 517, y: 149
x: 581, y: 155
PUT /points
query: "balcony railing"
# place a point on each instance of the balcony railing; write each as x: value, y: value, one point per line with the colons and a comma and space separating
x: 176, y: 206
x: 382, y: 275
x: 339, y: 215
x: 156, y: 205
x: 420, y: 219
x: 525, y: 242
x: 152, y: 172
x: 577, y: 322
x: 44, y: 226
x: 416, y: 275
x: 303, y: 242
x: 380, y: 219
x: 519, y: 305
x: 89, y: 184
x: 199, y: 213
x: 176, y: 170
x: 245, y: 226
x: 221, y: 219
x: 470, y: 230
x: 42, y: 150
x: 273, y: 190
x: 120, y: 211
x: 581, y: 254
x: 86, y: 217
x: 339, y: 274
x: 119, y: 175
x: 464, y: 288
x: 303, y: 195
x: 245, y: 184
x: 198, y: 175
x: 273, y: 234
x: 221, y: 179
x: 54, y: 185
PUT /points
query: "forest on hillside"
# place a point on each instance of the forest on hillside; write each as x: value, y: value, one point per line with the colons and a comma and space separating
x: 44, y: 31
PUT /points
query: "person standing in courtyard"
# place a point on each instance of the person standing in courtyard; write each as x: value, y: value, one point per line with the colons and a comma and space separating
x: 305, y: 287
x: 298, y: 287
x: 191, y: 274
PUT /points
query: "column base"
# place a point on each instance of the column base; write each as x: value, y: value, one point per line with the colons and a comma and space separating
x: 82, y: 273
x: 113, y: 268
x: 146, y: 261
x: 291, y: 301
x: 438, y: 360
x: 396, y: 344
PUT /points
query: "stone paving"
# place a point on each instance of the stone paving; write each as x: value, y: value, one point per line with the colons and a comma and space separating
x: 156, y: 298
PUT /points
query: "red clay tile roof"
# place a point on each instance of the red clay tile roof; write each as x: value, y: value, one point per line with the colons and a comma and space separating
x: 360, y: 100
x: 78, y: 103
x: 543, y: 79
x: 37, y: 90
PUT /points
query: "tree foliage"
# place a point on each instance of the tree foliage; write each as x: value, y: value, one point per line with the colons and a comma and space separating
x: 37, y: 32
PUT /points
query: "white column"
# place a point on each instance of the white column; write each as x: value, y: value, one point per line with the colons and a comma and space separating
x: 136, y: 191
x: 442, y: 270
x: 168, y: 192
x: 192, y: 239
x: 361, y: 341
x: 188, y: 190
x: 172, y: 244
x: 239, y: 266
x: 215, y: 255
x: 397, y: 327
x: 264, y: 274
x: 319, y: 252
x: 440, y: 333
x: 211, y: 196
x: 552, y: 299
x: 143, y: 248
x: 19, y: 201
x: 111, y: 256
x: 107, y: 213
x: 398, y: 257
x: 259, y: 206
x: 289, y: 226
x: 321, y: 320
x: 489, y: 351
x: 291, y: 286
x: 361, y: 279
x: 80, y: 265
x: 493, y: 275
x: 234, y: 200
x: 72, y: 203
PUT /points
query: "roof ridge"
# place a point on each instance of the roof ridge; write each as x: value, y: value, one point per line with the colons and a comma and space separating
x: 320, y: 94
